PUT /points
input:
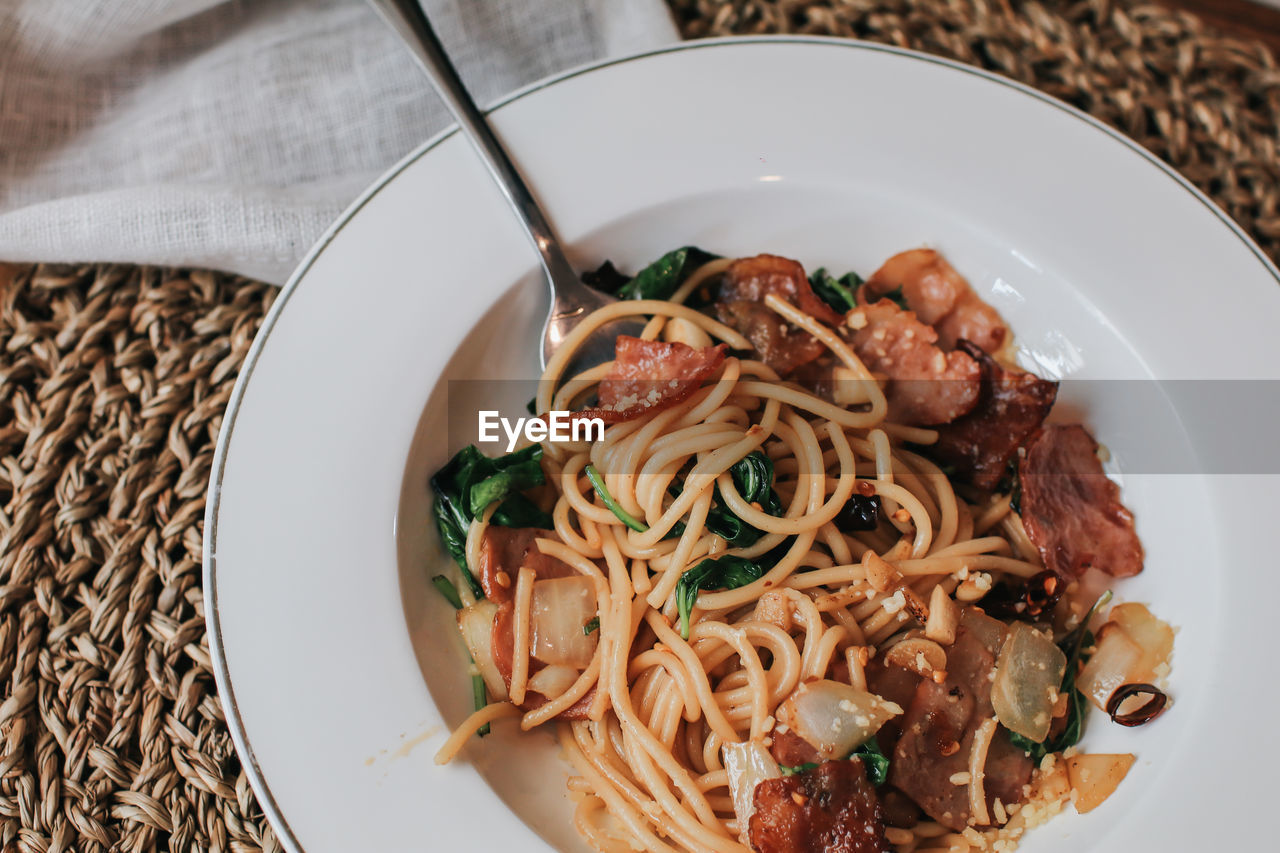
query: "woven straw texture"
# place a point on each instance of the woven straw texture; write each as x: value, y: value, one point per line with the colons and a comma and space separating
x: 113, y: 381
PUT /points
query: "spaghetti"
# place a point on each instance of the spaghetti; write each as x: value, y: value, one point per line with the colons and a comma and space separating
x: 777, y: 598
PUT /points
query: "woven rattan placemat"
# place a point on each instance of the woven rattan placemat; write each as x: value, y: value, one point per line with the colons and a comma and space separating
x: 113, y: 381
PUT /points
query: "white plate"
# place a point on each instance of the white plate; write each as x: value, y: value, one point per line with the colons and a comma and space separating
x: 339, y: 667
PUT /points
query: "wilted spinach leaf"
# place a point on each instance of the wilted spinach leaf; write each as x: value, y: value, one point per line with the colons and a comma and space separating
x: 453, y: 535
x: 469, y: 482
x: 448, y: 590
x: 753, y: 478
x: 726, y: 572
x: 661, y: 278
x: 602, y: 491
x: 875, y: 761
x: 512, y: 473
x: 839, y: 293
x: 518, y: 511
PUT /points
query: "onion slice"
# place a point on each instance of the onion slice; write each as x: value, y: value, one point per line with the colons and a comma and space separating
x: 1133, y: 648
x: 1095, y: 777
x: 1028, y: 676
x: 835, y: 718
x: 559, y: 610
x: 475, y: 623
x: 1152, y: 635
x: 1115, y: 657
x: 747, y: 765
x: 552, y: 681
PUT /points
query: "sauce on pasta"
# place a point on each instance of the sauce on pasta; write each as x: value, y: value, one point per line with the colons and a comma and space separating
x: 828, y: 582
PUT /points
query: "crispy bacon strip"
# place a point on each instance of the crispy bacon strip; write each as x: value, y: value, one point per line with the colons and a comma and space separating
x: 649, y: 376
x: 940, y: 297
x: 1012, y: 405
x: 751, y: 279
x: 831, y: 808
x: 506, y: 550
x: 1072, y: 512
x: 739, y: 299
x: 929, y: 386
x: 503, y: 551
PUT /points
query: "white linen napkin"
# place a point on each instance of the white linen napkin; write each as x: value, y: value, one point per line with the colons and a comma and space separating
x: 228, y: 133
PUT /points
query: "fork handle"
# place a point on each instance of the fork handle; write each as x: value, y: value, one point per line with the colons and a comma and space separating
x: 408, y: 19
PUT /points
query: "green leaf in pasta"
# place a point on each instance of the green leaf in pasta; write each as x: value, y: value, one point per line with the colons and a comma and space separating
x: 727, y: 572
x: 662, y: 277
x: 839, y: 293
x: 469, y: 482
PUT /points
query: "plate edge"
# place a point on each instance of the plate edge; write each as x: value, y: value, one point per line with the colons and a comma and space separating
x: 221, y: 673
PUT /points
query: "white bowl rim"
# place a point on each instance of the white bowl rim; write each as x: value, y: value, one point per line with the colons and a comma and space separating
x: 222, y: 675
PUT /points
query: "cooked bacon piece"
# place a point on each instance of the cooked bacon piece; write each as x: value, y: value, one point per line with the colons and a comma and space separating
x: 940, y: 297
x: 503, y: 650
x: 1072, y: 512
x: 649, y: 376
x: 929, y: 386
x: 739, y: 302
x: 1011, y: 406
x: 899, y: 809
x: 939, y: 728
x: 784, y: 349
x: 831, y: 808
x: 751, y: 279
x: 505, y: 550
x: 893, y: 684
x: 791, y: 750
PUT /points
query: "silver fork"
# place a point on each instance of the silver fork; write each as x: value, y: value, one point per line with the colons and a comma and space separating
x: 571, y: 300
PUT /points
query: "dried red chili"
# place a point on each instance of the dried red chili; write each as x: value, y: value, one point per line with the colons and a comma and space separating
x: 1029, y: 599
x: 1042, y: 592
x: 1153, y: 708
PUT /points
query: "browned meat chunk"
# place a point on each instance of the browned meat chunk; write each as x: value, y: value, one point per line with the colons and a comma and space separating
x: 739, y: 302
x: 751, y: 279
x: 1012, y: 405
x: 783, y: 348
x: 929, y: 284
x: 940, y: 297
x: 649, y: 376
x: 791, y: 750
x: 1072, y: 512
x: 503, y: 552
x: 893, y: 684
x: 939, y: 728
x: 831, y: 808
x: 972, y: 320
x: 929, y: 386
